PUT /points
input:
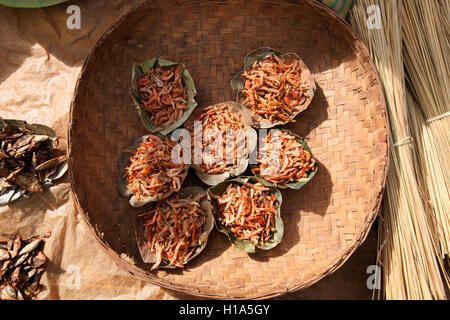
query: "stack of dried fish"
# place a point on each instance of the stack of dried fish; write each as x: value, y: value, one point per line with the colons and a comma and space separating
x: 22, y: 264
x: 28, y: 162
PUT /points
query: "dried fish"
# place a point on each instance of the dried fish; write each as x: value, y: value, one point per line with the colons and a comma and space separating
x: 15, y: 274
x: 16, y: 245
x: 248, y: 211
x: 52, y: 163
x: 31, y: 273
x: 20, y: 260
x: 30, y: 247
x: 220, y: 118
x: 4, y: 255
x: 39, y: 259
x: 8, y: 293
x: 28, y: 182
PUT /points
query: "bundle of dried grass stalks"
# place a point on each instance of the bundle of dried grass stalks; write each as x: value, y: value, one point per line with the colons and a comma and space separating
x: 410, y: 51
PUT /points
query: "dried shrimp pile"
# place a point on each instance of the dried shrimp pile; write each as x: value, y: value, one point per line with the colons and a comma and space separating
x: 219, y: 126
x: 151, y: 172
x: 273, y: 89
x: 163, y: 95
x: 283, y: 159
x: 173, y: 228
x: 248, y: 211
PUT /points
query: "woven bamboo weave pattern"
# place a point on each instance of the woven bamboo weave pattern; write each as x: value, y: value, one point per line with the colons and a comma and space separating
x: 345, y: 126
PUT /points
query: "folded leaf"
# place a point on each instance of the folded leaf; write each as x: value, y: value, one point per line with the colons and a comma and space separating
x: 237, y: 83
x: 293, y: 185
x: 239, y: 168
x: 246, y: 245
x: 122, y: 182
x: 149, y: 257
x: 138, y: 72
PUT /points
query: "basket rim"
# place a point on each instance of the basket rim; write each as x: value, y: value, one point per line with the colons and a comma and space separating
x: 137, y: 272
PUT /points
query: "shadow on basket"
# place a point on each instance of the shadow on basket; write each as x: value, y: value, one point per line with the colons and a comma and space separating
x: 313, y: 200
x: 313, y: 117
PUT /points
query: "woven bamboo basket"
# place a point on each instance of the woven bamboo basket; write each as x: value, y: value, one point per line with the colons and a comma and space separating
x: 346, y: 128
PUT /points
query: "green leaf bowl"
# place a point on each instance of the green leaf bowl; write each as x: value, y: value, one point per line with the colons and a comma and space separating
x: 137, y: 73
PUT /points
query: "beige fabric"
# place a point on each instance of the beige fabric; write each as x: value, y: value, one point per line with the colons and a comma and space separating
x: 40, y: 59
